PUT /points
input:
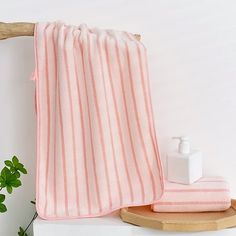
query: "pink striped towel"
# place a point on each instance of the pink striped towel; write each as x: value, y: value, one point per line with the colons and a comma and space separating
x: 208, y: 194
x: 96, y: 144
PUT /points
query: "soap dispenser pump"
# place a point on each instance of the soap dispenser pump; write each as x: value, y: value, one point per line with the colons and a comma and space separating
x: 185, y: 165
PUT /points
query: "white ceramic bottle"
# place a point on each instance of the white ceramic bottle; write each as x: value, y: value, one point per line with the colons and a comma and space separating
x: 185, y: 165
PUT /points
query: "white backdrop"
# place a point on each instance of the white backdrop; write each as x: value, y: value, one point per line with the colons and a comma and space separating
x: 192, y: 58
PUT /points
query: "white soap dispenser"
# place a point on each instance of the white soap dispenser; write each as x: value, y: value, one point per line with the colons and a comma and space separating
x: 184, y: 166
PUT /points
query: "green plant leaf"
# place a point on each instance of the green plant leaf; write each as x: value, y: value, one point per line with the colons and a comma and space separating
x: 2, y: 185
x: 6, y: 176
x: 2, y: 198
x: 19, y: 165
x: 3, y: 208
x: 8, y: 163
x: 15, y: 160
x: 17, y: 174
x: 16, y: 167
x: 9, y: 178
x: 9, y: 189
x: 4, y: 172
x: 23, y: 170
x: 15, y: 183
x: 2, y: 182
x: 21, y: 232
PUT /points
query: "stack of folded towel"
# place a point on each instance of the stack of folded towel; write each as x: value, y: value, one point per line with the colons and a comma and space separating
x: 207, y: 194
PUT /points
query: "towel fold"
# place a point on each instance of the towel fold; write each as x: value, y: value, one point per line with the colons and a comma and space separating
x: 208, y: 194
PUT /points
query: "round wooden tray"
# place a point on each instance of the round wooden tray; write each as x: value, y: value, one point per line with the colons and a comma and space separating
x: 202, y: 221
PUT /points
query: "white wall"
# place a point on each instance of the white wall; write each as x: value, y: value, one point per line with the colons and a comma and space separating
x: 192, y: 57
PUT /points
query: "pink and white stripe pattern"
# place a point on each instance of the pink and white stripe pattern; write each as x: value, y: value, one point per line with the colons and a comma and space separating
x: 207, y: 194
x: 96, y: 143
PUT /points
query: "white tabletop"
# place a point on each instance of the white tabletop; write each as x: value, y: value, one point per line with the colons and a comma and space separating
x: 110, y: 225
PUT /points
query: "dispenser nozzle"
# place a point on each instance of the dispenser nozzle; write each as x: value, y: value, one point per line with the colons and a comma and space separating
x: 184, y: 146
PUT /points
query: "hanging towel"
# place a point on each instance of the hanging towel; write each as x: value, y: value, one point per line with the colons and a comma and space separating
x: 96, y: 143
x: 207, y: 194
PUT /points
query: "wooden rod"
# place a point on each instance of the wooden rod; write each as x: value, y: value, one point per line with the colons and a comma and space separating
x: 10, y: 30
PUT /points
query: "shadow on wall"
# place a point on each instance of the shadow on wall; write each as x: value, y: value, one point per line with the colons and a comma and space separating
x: 17, y: 125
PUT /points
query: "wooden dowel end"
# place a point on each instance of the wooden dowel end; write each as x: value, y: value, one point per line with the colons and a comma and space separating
x: 10, y: 30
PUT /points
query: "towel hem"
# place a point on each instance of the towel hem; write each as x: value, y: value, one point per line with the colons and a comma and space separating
x: 100, y: 214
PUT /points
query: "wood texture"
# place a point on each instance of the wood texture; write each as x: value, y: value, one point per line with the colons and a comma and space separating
x: 10, y: 30
x: 203, y: 221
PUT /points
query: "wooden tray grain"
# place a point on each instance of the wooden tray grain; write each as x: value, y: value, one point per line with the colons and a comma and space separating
x: 202, y: 221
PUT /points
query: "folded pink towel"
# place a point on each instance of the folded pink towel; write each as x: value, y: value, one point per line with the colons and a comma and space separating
x: 208, y: 194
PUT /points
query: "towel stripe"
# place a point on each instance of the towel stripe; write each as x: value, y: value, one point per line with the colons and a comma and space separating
x: 196, y: 190
x: 118, y: 123
x: 104, y: 156
x: 63, y: 155
x: 48, y: 99
x: 152, y: 118
x: 133, y: 39
x: 55, y: 146
x: 194, y: 203
x: 149, y: 115
x: 72, y: 125
x: 211, y: 181
x: 109, y: 124
x: 138, y: 122
x: 144, y: 90
x: 38, y: 104
x: 62, y: 136
x: 84, y: 153
x: 90, y: 131
x: 117, y: 52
